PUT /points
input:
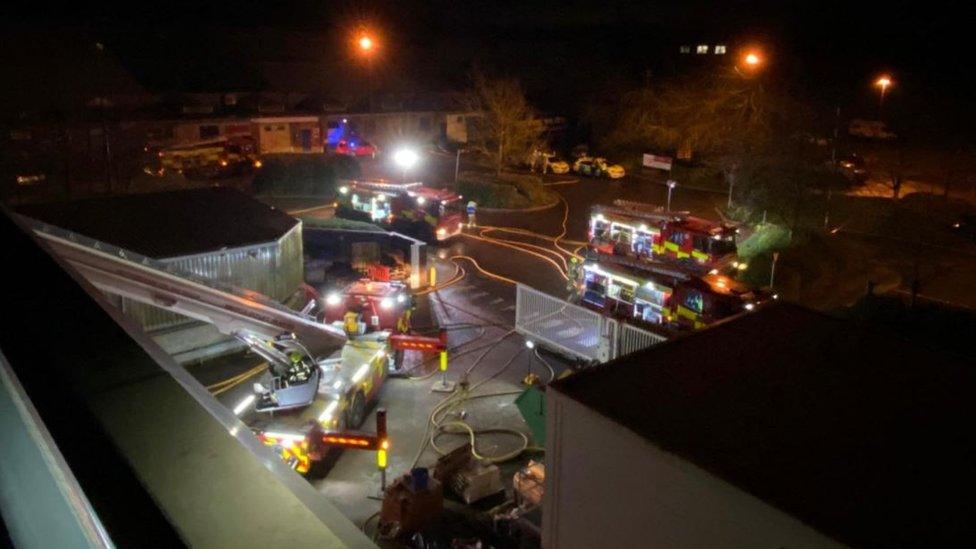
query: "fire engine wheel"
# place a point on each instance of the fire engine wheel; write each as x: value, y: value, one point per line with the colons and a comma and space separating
x: 357, y: 411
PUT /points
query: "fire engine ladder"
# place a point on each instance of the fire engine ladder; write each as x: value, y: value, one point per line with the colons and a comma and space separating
x: 640, y: 210
x: 666, y: 268
x: 233, y: 311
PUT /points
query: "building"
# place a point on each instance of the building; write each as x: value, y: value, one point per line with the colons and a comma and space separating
x: 779, y: 428
x: 217, y: 233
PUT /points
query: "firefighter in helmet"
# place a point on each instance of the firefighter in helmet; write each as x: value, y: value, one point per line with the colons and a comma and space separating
x: 573, y: 274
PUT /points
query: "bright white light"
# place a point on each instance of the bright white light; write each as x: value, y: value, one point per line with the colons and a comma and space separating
x: 750, y: 306
x: 327, y: 413
x: 672, y: 183
x: 642, y: 228
x: 284, y: 436
x: 405, y: 158
x: 343, y: 190
x: 360, y: 373
x: 333, y: 299
x: 386, y: 303
x: 530, y: 344
x: 243, y: 405
x: 441, y: 232
x: 743, y: 266
x: 401, y: 298
x: 337, y: 384
x: 421, y: 200
x: 775, y: 296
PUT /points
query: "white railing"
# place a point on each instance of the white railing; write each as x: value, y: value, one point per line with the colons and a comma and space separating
x: 632, y: 339
x: 575, y: 330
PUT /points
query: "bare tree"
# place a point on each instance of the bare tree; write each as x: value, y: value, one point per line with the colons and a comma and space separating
x: 509, y: 127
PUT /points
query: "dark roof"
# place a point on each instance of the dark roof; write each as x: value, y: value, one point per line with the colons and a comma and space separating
x: 169, y: 224
x: 860, y: 434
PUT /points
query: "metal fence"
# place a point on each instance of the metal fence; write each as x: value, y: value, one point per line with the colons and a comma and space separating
x: 575, y: 330
x: 558, y: 324
x: 633, y: 339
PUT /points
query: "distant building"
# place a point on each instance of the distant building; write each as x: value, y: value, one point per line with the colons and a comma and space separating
x: 780, y: 428
x: 216, y: 233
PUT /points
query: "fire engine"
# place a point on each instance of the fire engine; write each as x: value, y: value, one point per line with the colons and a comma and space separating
x: 643, y: 231
x: 409, y: 208
x: 225, y: 156
x: 383, y: 305
x: 662, y: 294
x: 303, y: 404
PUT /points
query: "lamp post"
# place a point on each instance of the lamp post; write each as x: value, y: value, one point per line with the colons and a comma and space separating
x: 366, y: 46
x: 671, y: 185
x: 883, y: 82
x: 530, y: 345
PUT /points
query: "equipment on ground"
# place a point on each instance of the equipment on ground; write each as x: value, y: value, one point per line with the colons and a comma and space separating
x: 528, y: 485
x: 422, y: 212
x: 412, y: 502
x: 477, y: 481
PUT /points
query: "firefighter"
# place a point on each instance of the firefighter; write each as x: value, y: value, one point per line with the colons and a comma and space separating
x: 573, y: 272
x: 353, y: 323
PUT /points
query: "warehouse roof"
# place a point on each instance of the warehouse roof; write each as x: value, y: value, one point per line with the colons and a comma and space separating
x: 858, y: 433
x: 169, y: 224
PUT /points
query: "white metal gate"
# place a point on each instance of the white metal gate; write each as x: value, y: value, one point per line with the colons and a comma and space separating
x: 575, y: 330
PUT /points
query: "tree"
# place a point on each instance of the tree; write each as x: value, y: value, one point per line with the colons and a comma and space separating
x: 508, y: 128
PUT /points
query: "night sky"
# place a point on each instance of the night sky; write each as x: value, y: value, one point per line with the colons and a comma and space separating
x: 563, y: 53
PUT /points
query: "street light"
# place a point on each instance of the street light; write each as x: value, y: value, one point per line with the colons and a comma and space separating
x: 883, y: 82
x: 405, y: 158
x: 671, y: 185
x: 365, y: 43
x: 750, y: 63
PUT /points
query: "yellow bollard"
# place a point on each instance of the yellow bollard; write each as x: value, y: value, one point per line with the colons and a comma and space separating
x: 432, y: 277
x: 443, y: 361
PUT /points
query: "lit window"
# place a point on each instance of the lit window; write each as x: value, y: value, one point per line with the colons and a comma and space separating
x: 702, y: 48
x: 720, y: 49
x: 685, y: 49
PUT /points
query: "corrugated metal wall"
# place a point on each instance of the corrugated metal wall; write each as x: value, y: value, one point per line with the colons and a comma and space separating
x: 274, y: 269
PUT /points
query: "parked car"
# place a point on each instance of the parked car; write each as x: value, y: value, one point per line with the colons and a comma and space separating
x: 597, y: 167
x: 356, y: 147
x: 853, y: 168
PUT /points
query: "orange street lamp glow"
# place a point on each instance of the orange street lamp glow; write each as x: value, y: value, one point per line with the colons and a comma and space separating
x: 752, y: 59
x: 365, y: 43
x: 883, y: 83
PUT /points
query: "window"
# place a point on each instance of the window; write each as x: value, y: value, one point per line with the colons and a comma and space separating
x: 720, y: 49
x: 702, y: 48
x: 684, y: 49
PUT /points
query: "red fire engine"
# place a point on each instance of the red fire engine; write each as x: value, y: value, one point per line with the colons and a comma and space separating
x: 409, y: 208
x: 638, y: 230
x: 382, y: 305
x: 662, y: 294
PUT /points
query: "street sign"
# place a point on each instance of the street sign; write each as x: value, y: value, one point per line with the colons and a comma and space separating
x: 657, y: 162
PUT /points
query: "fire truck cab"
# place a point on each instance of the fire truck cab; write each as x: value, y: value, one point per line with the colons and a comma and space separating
x: 411, y: 208
x: 381, y: 305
